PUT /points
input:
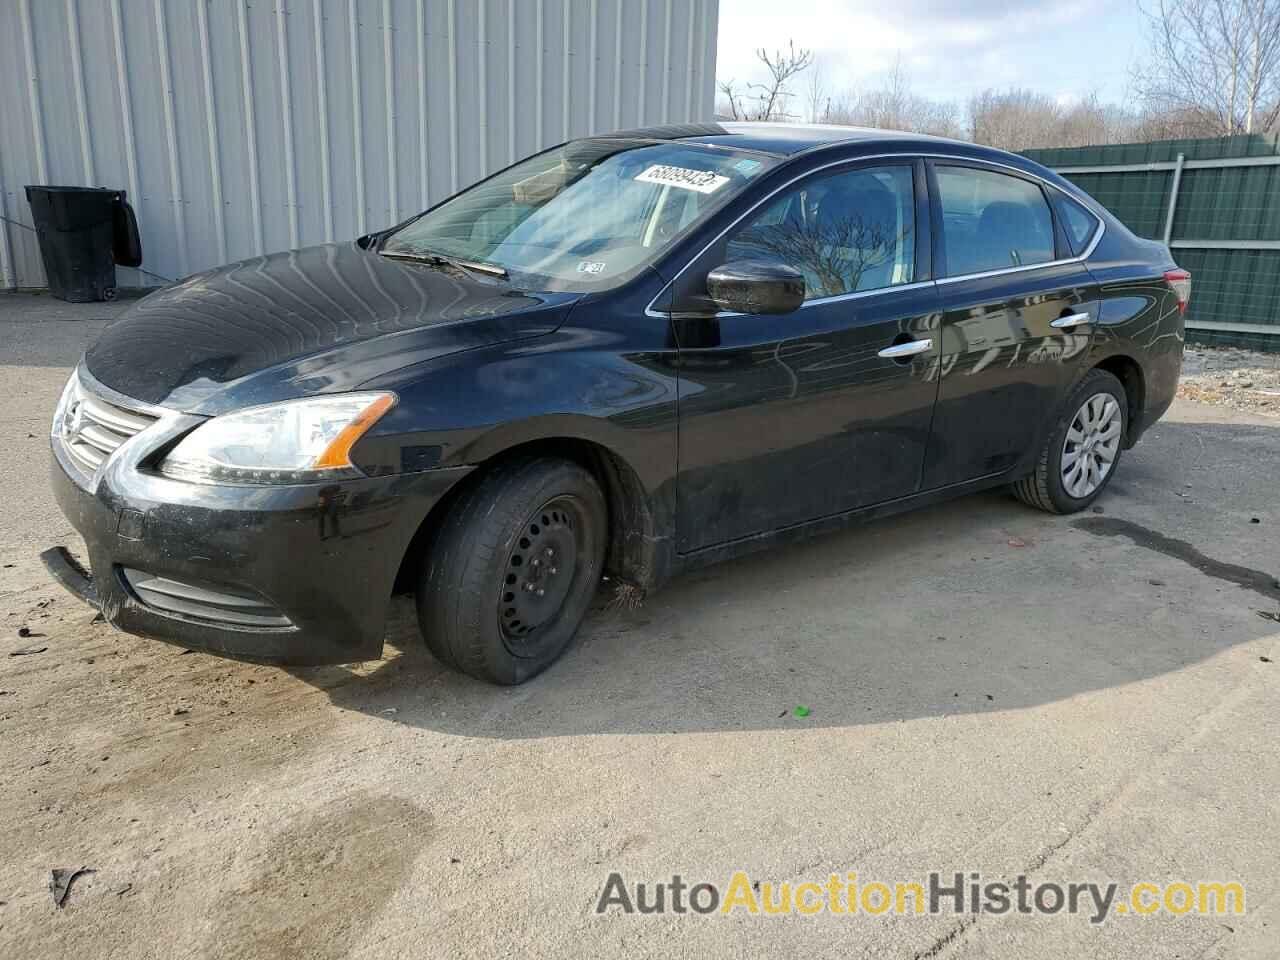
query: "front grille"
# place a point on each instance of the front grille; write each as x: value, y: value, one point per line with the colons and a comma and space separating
x: 200, y: 602
x: 92, y: 427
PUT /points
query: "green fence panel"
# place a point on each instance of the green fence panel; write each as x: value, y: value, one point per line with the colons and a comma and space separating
x: 1138, y: 199
x: 1232, y: 204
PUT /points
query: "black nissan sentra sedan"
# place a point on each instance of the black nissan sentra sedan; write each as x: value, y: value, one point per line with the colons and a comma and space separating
x: 627, y: 355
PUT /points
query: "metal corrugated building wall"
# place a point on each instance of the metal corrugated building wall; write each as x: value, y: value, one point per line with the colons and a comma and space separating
x: 240, y: 127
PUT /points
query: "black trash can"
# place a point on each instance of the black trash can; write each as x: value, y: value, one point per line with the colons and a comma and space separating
x: 84, y: 232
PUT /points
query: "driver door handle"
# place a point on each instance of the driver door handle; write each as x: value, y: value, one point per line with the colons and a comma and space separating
x: 908, y: 349
x: 1072, y: 321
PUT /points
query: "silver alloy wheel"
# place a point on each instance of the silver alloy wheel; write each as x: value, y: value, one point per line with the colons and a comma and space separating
x: 1092, y: 445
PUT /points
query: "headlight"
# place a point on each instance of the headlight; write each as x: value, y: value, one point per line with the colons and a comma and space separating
x: 298, y: 441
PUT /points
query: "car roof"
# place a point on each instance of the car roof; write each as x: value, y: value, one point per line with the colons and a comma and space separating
x: 781, y: 139
x: 786, y: 140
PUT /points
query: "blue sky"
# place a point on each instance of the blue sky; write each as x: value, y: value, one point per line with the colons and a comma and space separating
x: 1066, y: 48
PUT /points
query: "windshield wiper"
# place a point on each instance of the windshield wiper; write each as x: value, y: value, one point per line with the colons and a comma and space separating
x: 440, y: 260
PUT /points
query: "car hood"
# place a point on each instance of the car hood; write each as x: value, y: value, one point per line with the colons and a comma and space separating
x: 320, y: 320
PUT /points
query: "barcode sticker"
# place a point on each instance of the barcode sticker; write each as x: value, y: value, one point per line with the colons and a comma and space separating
x: 701, y: 181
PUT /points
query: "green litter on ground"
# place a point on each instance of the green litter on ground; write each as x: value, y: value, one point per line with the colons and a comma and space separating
x: 801, y: 711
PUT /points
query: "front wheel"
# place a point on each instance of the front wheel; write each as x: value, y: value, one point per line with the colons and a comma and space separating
x: 510, y: 575
x: 1083, y: 450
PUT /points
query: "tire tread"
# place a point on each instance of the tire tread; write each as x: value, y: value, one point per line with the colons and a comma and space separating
x: 453, y: 591
x: 1034, y: 489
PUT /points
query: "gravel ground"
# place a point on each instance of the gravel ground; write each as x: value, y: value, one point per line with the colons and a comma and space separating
x: 989, y: 689
x: 1239, y: 379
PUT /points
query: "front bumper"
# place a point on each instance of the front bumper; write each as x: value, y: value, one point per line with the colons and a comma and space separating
x: 316, y: 562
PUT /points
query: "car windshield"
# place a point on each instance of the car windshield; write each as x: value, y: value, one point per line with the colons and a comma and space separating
x: 585, y: 216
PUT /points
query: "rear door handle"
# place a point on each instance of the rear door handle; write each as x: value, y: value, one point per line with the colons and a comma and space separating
x: 1072, y: 321
x: 908, y: 349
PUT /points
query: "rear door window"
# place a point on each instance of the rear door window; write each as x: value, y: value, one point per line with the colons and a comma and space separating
x: 1080, y: 223
x: 992, y: 221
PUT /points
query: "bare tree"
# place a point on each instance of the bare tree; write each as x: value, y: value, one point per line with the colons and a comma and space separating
x: 816, y: 96
x: 1092, y: 122
x: 1214, y: 64
x: 729, y: 106
x: 1015, y: 119
x: 769, y: 100
x: 1174, y: 125
x: 893, y: 106
x: 888, y: 107
x: 782, y: 66
x: 1020, y: 119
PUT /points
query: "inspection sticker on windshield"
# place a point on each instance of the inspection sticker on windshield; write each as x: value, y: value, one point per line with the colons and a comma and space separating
x: 702, y: 181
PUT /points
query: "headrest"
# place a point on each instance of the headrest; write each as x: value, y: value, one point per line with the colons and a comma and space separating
x: 866, y: 202
x: 1015, y: 220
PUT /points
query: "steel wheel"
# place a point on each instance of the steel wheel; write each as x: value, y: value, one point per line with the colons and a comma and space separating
x: 540, y: 570
x: 510, y: 574
x: 1092, y: 445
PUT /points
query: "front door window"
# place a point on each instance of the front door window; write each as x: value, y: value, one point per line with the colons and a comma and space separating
x: 846, y: 232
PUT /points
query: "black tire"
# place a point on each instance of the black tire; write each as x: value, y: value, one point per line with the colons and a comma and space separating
x: 1045, y: 487
x: 509, y: 576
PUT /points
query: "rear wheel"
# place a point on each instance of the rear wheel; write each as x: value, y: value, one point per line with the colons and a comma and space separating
x: 512, y: 571
x: 1083, y: 450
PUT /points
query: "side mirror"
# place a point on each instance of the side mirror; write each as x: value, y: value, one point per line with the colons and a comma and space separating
x: 756, y: 286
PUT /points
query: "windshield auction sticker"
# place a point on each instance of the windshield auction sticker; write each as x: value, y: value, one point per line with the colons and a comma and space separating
x: 701, y: 181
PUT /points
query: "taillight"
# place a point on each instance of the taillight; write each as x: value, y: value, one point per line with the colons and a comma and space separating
x: 1180, y: 282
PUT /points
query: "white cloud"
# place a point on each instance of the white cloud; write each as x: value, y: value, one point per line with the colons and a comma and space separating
x: 950, y: 50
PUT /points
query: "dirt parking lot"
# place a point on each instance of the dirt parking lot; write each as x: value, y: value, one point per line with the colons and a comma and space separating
x: 990, y: 689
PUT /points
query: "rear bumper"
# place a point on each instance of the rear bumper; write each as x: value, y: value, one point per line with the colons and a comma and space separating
x: 206, y: 566
x: 1162, y: 372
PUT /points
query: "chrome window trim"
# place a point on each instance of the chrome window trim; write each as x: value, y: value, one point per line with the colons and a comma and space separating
x: 857, y: 294
x: 833, y: 298
x: 650, y: 311
x: 1004, y: 270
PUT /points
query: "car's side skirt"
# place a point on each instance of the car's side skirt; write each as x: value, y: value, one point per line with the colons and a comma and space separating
x: 840, y: 521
